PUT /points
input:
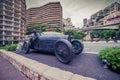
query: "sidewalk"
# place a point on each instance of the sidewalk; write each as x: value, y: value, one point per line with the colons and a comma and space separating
x: 101, y: 42
x: 9, y: 72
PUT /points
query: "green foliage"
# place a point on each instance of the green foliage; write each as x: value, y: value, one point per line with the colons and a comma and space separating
x: 119, y: 26
x: 118, y: 34
x: 70, y: 32
x: 112, y: 55
x: 105, y: 34
x: 79, y: 35
x: 95, y: 33
x: 112, y: 33
x: 2, y: 47
x: 58, y: 30
x: 75, y: 34
x: 41, y: 28
x: 10, y: 47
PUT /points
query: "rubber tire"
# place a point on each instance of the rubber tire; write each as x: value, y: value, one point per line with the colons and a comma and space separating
x: 70, y: 49
x: 28, y: 47
x: 79, y: 50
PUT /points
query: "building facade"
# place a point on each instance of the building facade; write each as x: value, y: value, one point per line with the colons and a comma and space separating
x: 68, y: 24
x: 12, y: 21
x: 113, y: 18
x: 106, y: 16
x: 50, y: 13
x: 85, y: 22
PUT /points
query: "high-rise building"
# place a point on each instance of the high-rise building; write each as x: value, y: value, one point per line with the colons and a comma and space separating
x: 50, y: 13
x: 12, y: 21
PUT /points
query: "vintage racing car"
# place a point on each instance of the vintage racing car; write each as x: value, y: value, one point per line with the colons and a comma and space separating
x: 63, y: 46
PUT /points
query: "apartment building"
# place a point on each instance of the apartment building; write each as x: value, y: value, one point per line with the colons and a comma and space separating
x: 106, y: 16
x: 12, y: 21
x: 68, y: 24
x: 50, y: 13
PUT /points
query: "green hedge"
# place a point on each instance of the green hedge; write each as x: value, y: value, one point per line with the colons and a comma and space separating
x: 112, y: 55
x: 9, y: 47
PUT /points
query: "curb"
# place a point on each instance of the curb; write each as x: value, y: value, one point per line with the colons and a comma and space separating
x: 38, y: 71
x: 100, y: 42
x: 90, y: 52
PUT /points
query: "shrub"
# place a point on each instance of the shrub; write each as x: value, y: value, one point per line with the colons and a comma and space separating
x: 2, y: 47
x: 75, y: 34
x: 112, y: 55
x: 11, y: 47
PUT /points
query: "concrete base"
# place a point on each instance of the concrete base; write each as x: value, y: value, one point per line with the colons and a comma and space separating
x: 38, y: 71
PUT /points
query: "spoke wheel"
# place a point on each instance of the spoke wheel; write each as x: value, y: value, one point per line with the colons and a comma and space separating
x: 78, y: 46
x: 63, y: 51
x: 25, y: 47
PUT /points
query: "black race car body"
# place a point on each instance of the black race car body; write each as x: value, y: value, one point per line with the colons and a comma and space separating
x: 63, y: 46
x: 46, y: 42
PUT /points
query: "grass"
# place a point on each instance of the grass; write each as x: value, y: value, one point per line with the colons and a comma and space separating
x: 9, y: 47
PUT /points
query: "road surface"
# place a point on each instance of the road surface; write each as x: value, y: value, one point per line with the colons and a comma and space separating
x: 97, y: 46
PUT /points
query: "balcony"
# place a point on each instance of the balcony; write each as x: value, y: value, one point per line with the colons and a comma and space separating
x: 17, y: 6
x: 8, y: 29
x: 16, y: 30
x: 15, y: 34
x: 16, y: 19
x: 8, y: 3
x: 8, y: 24
x: 8, y: 13
x: 8, y: 8
x: 17, y: 2
x: 8, y: 17
x: 1, y: 13
x: 1, y: 34
x: 16, y: 15
x: 1, y: 39
x: 7, y: 34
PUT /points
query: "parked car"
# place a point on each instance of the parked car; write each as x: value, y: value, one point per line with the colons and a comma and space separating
x: 63, y: 46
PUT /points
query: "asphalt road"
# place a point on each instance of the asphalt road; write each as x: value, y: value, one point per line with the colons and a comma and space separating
x: 97, y: 46
x: 86, y: 64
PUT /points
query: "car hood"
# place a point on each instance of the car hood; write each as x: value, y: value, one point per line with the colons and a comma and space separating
x: 55, y: 37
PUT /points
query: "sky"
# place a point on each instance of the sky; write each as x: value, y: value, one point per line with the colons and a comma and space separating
x: 77, y: 10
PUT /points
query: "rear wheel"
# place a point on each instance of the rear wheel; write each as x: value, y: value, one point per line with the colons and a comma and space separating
x: 64, y: 51
x: 78, y: 47
x: 26, y: 47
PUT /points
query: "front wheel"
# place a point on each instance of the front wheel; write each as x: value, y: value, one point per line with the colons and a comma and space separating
x: 78, y: 47
x: 25, y: 47
x: 64, y: 51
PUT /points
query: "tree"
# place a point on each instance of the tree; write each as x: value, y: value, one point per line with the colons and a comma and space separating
x: 79, y: 35
x: 95, y: 34
x: 38, y: 27
x: 118, y: 32
x: 69, y: 32
x: 41, y: 28
x: 107, y: 34
x: 75, y: 34
x: 112, y: 33
x: 58, y: 30
x: 119, y: 26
